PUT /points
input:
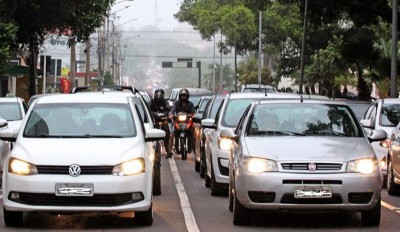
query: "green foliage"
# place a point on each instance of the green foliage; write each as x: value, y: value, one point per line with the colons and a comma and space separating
x: 248, y: 73
x: 7, y: 37
x: 108, y: 79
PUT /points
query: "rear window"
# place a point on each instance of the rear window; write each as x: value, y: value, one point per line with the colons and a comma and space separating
x: 390, y: 115
x: 10, y: 111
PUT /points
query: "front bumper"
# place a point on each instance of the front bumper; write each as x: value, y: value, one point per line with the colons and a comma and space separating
x: 110, y: 193
x: 275, y: 191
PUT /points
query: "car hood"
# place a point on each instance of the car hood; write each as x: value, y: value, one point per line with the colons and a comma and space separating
x: 69, y: 151
x: 15, y: 125
x: 295, y: 148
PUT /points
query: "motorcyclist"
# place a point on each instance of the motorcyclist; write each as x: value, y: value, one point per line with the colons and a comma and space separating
x: 160, y: 105
x: 181, y: 105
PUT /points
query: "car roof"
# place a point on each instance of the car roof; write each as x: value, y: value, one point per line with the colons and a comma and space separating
x: 390, y: 100
x: 242, y: 95
x: 11, y: 99
x: 95, y: 97
x: 257, y: 86
x: 305, y: 100
x: 194, y: 90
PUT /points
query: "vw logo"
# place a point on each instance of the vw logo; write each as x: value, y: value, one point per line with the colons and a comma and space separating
x: 312, y: 167
x: 74, y: 170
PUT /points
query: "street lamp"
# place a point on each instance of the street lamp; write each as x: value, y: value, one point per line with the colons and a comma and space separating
x: 302, y: 48
x: 126, y: 22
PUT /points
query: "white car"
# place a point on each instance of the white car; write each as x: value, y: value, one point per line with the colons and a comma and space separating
x: 308, y: 155
x: 382, y: 114
x: 228, y: 116
x: 80, y: 153
x: 13, y: 110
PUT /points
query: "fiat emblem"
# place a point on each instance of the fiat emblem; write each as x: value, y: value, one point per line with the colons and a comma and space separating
x: 74, y: 170
x: 312, y: 167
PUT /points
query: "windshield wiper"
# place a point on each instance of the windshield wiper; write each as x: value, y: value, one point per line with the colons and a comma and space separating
x: 101, y: 136
x: 326, y: 132
x: 277, y: 133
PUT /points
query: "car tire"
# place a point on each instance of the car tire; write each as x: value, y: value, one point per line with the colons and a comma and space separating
x: 144, y: 218
x: 392, y: 187
x: 202, y: 171
x: 207, y: 181
x: 230, y: 196
x: 372, y: 217
x: 157, y: 171
x: 216, y: 189
x: 241, y: 215
x: 196, y: 165
x: 13, y: 218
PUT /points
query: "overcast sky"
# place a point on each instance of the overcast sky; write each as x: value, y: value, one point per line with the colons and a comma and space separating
x: 141, y: 13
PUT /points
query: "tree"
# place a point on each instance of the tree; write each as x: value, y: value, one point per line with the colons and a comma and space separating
x: 81, y: 17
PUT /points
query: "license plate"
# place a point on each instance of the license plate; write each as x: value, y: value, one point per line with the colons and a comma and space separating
x: 313, y: 192
x: 84, y: 190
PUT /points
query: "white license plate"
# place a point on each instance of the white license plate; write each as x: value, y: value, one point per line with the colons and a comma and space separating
x: 84, y: 190
x: 313, y: 192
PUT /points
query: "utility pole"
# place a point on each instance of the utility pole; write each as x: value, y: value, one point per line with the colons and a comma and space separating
x: 220, y: 69
x: 73, y: 62
x: 213, y: 68
x: 303, y: 42
x: 393, y: 70
x: 259, y: 46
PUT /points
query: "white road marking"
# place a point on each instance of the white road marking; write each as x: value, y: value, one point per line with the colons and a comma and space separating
x: 390, y: 207
x: 190, y: 221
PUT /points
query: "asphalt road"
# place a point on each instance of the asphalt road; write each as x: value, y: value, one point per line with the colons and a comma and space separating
x: 194, y: 209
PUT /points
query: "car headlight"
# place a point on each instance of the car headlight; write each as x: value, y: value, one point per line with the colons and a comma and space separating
x: 363, y: 166
x: 258, y: 165
x: 225, y: 144
x: 129, y: 168
x: 20, y: 167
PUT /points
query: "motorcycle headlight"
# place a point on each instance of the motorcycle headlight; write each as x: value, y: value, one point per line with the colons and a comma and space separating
x: 258, y: 165
x: 363, y: 166
x: 225, y: 144
x: 129, y: 168
x: 20, y: 167
x: 182, y: 117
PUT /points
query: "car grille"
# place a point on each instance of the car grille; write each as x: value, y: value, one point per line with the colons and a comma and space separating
x: 360, y: 198
x: 261, y: 197
x: 100, y: 200
x: 85, y: 170
x: 288, y: 198
x: 319, y: 182
x: 319, y: 166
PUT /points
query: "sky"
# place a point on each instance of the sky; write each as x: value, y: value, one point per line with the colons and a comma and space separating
x: 142, y: 13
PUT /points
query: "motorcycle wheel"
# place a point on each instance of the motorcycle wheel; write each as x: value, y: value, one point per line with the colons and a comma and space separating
x: 184, y: 149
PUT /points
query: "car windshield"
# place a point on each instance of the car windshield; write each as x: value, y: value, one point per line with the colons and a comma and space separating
x: 390, y: 115
x: 195, y: 99
x: 80, y: 120
x: 253, y: 90
x: 303, y: 119
x: 203, y: 105
x: 215, y: 106
x: 234, y: 111
x: 10, y: 111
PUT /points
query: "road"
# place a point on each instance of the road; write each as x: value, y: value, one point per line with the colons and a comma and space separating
x: 194, y: 209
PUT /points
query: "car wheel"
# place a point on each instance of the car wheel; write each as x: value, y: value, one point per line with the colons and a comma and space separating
x: 13, y: 218
x: 216, y: 189
x: 202, y: 169
x: 392, y: 187
x: 157, y: 171
x: 144, y: 218
x: 196, y: 165
x: 373, y: 216
x: 230, y: 198
x: 241, y: 215
x: 208, y: 181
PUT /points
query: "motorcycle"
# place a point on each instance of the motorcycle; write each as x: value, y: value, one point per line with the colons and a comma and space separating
x: 183, y: 125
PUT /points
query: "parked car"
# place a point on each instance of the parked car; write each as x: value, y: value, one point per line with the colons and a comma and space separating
x: 393, y: 162
x: 382, y: 114
x: 228, y: 115
x: 13, y: 110
x: 258, y: 88
x: 309, y: 155
x: 98, y: 157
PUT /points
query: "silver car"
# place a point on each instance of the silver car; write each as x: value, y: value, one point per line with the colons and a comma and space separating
x: 302, y: 155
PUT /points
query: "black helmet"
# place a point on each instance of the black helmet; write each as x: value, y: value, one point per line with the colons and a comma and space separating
x: 183, y: 92
x: 159, y: 94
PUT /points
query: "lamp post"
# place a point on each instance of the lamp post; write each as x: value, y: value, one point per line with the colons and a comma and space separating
x: 393, y: 70
x: 303, y: 42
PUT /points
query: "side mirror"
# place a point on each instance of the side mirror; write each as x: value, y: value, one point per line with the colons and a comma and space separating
x: 366, y: 123
x: 197, y: 118
x: 154, y: 135
x: 227, y: 140
x: 3, y: 123
x: 8, y: 134
x: 377, y: 135
x: 208, y: 123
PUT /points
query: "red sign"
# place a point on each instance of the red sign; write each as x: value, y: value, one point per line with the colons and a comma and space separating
x: 65, y: 85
